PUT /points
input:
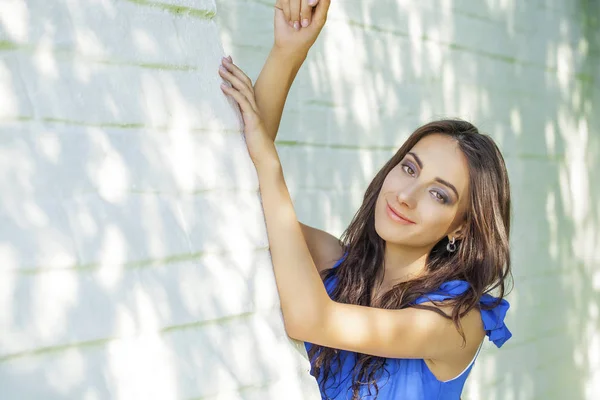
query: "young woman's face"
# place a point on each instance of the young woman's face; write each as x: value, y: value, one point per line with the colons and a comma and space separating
x: 429, y: 188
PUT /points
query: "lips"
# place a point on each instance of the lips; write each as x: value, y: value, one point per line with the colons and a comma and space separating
x: 400, y: 215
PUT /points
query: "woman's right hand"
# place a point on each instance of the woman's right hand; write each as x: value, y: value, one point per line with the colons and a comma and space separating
x: 298, y: 40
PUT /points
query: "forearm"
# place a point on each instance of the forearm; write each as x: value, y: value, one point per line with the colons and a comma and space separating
x: 300, y: 287
x: 273, y: 85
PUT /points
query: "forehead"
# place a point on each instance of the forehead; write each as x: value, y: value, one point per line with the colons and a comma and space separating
x: 443, y: 158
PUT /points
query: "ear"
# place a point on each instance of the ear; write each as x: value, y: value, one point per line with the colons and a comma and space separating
x: 456, y: 233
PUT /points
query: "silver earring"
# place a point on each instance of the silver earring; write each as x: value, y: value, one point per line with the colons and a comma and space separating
x: 451, y: 247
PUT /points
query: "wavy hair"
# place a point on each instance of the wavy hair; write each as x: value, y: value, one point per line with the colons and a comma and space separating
x: 482, y: 257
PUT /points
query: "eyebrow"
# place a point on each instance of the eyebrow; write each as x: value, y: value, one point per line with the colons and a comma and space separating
x: 440, y: 180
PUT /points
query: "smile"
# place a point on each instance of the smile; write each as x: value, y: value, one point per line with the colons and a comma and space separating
x: 398, y: 218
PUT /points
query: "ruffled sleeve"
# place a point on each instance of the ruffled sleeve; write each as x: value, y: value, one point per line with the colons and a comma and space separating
x: 493, y: 320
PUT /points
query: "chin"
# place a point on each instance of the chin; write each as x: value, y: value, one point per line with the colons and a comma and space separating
x: 388, y: 230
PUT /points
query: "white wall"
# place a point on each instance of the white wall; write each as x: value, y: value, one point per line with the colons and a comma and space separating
x: 526, y: 72
x: 134, y: 259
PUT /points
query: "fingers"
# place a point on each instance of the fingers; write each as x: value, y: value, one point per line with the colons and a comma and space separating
x: 240, y: 82
x: 234, y: 70
x: 298, y: 13
x: 321, y: 9
x: 237, y: 72
x: 295, y: 6
x: 243, y: 87
x: 284, y: 5
x: 305, y: 13
x: 245, y: 105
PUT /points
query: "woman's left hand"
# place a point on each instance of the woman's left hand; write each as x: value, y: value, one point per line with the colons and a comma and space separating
x: 260, y: 146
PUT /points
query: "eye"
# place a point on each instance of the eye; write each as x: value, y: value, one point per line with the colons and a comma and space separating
x: 408, y: 169
x: 441, y: 197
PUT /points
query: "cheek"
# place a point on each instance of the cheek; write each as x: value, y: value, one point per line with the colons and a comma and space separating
x: 394, y: 182
x: 436, y: 219
x: 388, y: 183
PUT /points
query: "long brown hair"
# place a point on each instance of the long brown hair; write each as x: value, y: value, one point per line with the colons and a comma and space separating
x: 482, y: 257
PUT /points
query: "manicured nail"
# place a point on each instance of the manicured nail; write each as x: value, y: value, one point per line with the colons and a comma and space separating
x: 222, y: 68
x: 296, y: 25
x: 230, y: 59
x: 311, y: 2
x: 223, y: 86
x: 305, y: 22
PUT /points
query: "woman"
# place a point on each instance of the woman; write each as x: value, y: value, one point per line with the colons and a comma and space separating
x: 398, y: 307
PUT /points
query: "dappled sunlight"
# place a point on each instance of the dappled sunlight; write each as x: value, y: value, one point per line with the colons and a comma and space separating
x: 112, y: 255
x: 515, y: 122
x: 154, y: 102
x: 44, y: 59
x: 576, y: 170
x: 144, y: 42
x: 107, y: 231
x: 112, y: 177
x: 88, y: 41
x: 138, y: 360
x: 52, y: 321
x: 415, y: 32
x: 183, y: 157
x: 68, y: 372
x: 134, y: 254
x: 552, y: 217
x: 550, y: 136
x: 15, y: 20
x: 9, y: 105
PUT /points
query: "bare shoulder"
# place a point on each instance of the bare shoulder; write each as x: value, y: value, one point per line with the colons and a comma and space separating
x: 324, y: 248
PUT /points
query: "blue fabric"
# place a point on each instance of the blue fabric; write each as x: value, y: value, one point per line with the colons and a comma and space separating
x: 411, y: 378
x: 493, y: 320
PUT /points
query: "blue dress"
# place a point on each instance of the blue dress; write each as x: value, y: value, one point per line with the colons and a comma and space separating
x: 411, y: 379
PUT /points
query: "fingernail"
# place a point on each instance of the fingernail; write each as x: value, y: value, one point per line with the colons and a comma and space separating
x: 290, y: 23
x: 311, y: 2
x: 305, y: 22
x: 222, y: 68
x: 296, y: 25
x: 223, y: 86
x: 230, y: 59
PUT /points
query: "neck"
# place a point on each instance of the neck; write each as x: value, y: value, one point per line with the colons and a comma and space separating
x: 403, y: 263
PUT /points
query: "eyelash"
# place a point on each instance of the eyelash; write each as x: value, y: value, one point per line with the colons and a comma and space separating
x: 443, y: 198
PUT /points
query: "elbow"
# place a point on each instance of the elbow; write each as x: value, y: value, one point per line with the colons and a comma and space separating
x: 293, y: 330
x: 305, y: 325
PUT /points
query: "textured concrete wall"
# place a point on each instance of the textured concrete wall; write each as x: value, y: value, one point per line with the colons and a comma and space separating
x: 134, y: 259
x: 526, y: 72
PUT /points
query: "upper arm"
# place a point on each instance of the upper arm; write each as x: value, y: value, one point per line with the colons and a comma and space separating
x: 325, y: 249
x: 404, y: 333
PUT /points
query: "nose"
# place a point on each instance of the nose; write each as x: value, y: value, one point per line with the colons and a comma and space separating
x: 407, y: 196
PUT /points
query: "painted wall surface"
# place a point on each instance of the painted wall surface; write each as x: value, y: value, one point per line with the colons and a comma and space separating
x: 134, y: 259
x: 526, y: 72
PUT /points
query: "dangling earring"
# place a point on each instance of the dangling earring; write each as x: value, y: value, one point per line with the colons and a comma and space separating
x: 451, y: 247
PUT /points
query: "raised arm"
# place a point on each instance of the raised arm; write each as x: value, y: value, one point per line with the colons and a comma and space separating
x: 290, y: 49
x: 273, y: 85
